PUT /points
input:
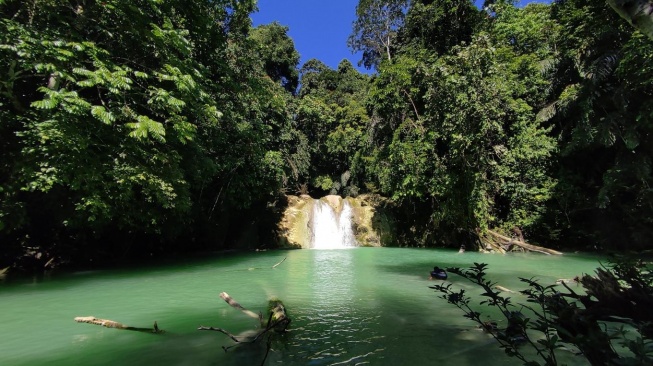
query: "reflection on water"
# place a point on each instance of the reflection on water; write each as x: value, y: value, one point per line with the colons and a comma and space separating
x: 349, y: 307
x: 332, y: 283
x: 338, y: 329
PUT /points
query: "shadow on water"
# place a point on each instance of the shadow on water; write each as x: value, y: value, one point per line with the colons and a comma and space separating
x: 425, y: 320
x: 61, y: 279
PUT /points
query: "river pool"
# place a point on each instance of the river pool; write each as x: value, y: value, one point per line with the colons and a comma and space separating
x: 358, y: 306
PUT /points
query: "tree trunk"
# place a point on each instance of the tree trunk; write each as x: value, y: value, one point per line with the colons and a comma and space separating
x: 639, y: 13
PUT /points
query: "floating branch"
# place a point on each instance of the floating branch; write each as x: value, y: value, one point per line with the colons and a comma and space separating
x: 275, y: 266
x: 247, y: 339
x: 284, y: 258
x: 235, y: 339
x: 225, y: 296
x: 278, y: 321
x: 114, y: 324
x: 575, y: 280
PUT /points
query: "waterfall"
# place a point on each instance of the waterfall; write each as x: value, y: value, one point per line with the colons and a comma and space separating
x: 330, y: 229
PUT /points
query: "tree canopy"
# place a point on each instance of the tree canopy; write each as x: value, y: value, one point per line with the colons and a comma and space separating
x: 134, y: 128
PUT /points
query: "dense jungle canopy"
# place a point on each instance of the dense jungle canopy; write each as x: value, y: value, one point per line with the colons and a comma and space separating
x: 148, y: 127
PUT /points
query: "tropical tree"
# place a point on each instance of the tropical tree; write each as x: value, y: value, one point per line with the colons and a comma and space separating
x: 438, y: 26
x: 454, y: 133
x: 603, y: 124
x: 332, y: 115
x: 126, y: 121
x: 638, y: 13
x: 375, y: 29
x: 278, y: 53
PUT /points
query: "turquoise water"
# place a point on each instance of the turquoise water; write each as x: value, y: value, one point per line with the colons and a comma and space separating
x: 348, y: 307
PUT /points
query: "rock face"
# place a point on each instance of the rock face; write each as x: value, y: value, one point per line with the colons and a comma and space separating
x: 371, y: 223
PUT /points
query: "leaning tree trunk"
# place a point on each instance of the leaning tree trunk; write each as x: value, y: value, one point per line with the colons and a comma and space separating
x: 639, y: 13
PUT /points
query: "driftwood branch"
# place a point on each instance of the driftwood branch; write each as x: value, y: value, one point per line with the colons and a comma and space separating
x: 114, y: 324
x: 248, y: 339
x: 235, y: 339
x: 277, y: 321
x: 284, y: 258
x: 531, y: 247
x: 234, y: 304
x: 275, y: 266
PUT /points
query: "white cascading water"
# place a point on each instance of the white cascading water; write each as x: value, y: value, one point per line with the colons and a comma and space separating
x: 331, y: 231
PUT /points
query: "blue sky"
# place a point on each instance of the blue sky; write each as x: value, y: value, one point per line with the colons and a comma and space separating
x: 319, y: 28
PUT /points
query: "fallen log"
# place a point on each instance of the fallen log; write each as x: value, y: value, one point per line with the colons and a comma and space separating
x: 114, y: 324
x: 489, y: 243
x: 531, y: 247
x: 275, y: 266
x: 277, y: 318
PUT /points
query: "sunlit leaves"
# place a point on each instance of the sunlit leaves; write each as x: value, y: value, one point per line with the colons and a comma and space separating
x: 145, y: 127
x: 102, y: 114
x: 476, y: 148
x: 68, y: 101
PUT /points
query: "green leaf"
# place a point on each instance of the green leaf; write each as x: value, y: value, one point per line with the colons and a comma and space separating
x: 45, y: 103
x: 102, y: 114
x: 146, y: 127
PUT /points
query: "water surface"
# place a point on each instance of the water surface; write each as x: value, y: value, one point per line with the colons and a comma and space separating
x: 348, y: 307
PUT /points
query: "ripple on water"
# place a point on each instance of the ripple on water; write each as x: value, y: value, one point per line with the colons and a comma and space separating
x: 335, y: 337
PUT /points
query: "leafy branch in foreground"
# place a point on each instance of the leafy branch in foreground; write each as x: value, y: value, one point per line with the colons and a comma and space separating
x: 515, y: 333
x: 550, y: 319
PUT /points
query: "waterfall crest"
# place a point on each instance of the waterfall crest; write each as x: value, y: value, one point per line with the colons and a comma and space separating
x: 335, y: 222
x: 332, y: 228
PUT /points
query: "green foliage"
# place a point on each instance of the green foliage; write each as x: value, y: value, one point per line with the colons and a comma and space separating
x: 438, y: 26
x: 127, y: 119
x: 602, y: 117
x: 515, y: 334
x: 375, y: 29
x: 277, y: 51
x: 476, y: 149
x: 526, y: 30
x: 332, y: 115
x: 551, y: 319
